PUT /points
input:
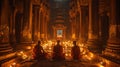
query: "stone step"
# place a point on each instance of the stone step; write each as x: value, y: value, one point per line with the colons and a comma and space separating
x: 5, y: 49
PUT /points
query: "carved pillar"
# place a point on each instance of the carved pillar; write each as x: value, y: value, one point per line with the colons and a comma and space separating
x: 6, y: 51
x: 93, y: 33
x: 43, y: 28
x: 12, y: 23
x: 104, y: 22
x: 41, y: 25
x: 84, y: 24
x: 113, y: 45
x: 0, y: 10
x: 73, y: 28
x: 78, y: 24
x: 46, y: 22
x: 36, y: 23
x: 26, y: 35
x: 4, y: 26
x: 70, y: 27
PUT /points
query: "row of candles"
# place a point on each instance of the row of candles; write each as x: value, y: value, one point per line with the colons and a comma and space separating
x: 67, y: 45
x: 85, y: 53
x: 48, y: 47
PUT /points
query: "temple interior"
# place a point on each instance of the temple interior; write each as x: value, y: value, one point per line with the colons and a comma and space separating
x: 94, y: 24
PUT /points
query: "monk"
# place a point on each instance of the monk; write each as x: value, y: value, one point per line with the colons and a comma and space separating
x: 39, y: 53
x: 58, y: 52
x: 75, y: 52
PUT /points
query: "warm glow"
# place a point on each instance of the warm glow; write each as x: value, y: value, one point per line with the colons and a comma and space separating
x: 29, y: 47
x: 101, y: 66
x: 21, y: 52
x: 66, y: 54
x: 22, y: 55
x: 73, y: 36
x: 13, y: 65
x: 42, y: 35
x: 91, y: 55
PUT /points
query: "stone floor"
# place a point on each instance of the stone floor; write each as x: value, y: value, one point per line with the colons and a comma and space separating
x: 69, y: 63
x: 57, y: 64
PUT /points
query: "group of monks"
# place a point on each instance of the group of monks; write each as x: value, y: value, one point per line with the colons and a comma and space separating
x: 40, y: 54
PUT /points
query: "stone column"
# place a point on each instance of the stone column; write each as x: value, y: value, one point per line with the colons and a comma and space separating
x: 104, y: 22
x: 70, y: 28
x: 0, y: 10
x: 44, y: 21
x: 73, y: 28
x: 26, y: 25
x: 36, y: 22
x: 78, y: 24
x: 84, y: 24
x: 6, y: 51
x: 41, y: 24
x: 46, y: 26
x: 93, y: 32
x: 113, y: 46
x: 4, y: 26
x: 12, y: 23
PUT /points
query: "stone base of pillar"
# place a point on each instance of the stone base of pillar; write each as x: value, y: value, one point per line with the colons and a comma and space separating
x: 113, y: 49
x: 95, y: 45
x: 6, y: 52
x: 5, y: 48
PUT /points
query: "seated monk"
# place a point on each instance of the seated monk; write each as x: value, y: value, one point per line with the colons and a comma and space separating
x: 39, y: 53
x: 58, y: 52
x: 75, y: 52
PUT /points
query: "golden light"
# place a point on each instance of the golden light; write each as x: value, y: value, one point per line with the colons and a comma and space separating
x: 21, y: 52
x: 73, y: 36
x: 29, y: 36
x: 66, y: 54
x: 13, y: 64
x: 29, y: 47
x: 91, y: 54
x: 24, y: 56
x: 38, y: 34
x: 101, y: 66
x: 42, y: 35
x: 10, y: 65
x: 50, y: 48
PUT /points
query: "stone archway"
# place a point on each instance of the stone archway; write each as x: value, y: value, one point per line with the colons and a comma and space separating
x: 59, y: 32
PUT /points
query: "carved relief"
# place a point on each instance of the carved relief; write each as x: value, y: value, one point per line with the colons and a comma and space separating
x: 4, y: 32
x: 83, y: 2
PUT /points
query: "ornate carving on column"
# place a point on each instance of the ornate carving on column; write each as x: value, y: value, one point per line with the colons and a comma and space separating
x: 6, y: 51
x: 113, y: 46
x: 84, y: 24
x: 36, y: 23
x: 26, y: 30
x: 12, y: 22
x: 104, y: 6
x: 4, y: 26
x: 93, y: 40
x: 81, y: 13
x: 74, y: 20
x: 40, y: 19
